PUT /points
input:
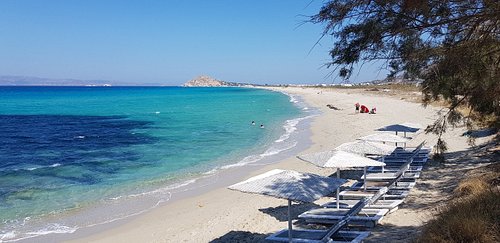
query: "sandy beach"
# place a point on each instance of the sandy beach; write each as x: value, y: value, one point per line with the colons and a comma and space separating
x: 221, y: 215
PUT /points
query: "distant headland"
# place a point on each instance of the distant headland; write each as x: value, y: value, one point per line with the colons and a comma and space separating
x: 206, y: 81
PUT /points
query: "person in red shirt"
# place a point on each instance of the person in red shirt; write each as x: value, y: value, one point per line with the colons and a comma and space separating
x: 364, y: 109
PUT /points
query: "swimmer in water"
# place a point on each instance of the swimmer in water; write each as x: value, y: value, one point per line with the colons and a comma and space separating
x: 261, y: 126
x: 253, y: 123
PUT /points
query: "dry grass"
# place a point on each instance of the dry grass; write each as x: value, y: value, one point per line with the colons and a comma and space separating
x: 474, y: 186
x: 474, y: 219
x: 474, y: 213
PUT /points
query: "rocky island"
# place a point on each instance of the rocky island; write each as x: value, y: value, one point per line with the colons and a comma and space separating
x: 206, y: 81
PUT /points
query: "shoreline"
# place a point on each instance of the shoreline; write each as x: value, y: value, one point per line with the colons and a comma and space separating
x: 220, y: 214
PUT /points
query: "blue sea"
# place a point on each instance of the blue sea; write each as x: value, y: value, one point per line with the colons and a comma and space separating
x: 68, y: 150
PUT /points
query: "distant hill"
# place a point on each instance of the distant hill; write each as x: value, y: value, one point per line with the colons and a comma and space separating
x: 206, y: 81
x: 10, y: 80
x: 36, y: 81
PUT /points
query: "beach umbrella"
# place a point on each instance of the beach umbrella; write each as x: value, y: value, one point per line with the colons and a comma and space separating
x: 290, y: 185
x: 402, y: 127
x: 340, y: 159
x: 363, y: 147
x: 385, y: 137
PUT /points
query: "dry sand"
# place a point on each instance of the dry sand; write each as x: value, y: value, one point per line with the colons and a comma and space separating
x: 222, y: 215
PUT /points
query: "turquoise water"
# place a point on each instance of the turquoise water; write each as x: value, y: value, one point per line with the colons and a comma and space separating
x: 69, y: 148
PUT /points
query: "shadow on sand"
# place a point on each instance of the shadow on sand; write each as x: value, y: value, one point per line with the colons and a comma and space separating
x: 280, y: 213
x: 240, y: 236
x: 392, y: 233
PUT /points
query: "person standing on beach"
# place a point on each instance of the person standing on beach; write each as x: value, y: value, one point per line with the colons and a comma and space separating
x: 357, y: 107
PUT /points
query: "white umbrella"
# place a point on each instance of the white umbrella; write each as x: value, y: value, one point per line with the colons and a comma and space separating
x: 340, y: 159
x: 363, y: 147
x: 385, y: 137
x: 402, y: 127
x: 290, y: 185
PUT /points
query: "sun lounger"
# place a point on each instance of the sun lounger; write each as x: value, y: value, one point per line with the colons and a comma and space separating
x: 406, y: 155
x: 413, y: 168
x: 389, y: 176
x: 315, y: 236
x: 401, y: 173
x: 403, y: 159
x: 375, y: 185
x: 392, y: 205
x: 358, y: 194
x: 419, y: 154
x: 400, y: 153
x: 399, y: 164
x: 366, y: 217
x: 423, y: 149
x: 333, y: 233
x: 414, y: 162
x: 417, y: 160
x: 415, y: 152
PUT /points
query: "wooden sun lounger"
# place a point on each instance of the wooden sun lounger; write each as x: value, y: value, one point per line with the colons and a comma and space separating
x: 401, y: 173
x: 401, y: 153
x: 423, y: 149
x: 419, y: 157
x: 366, y: 217
x: 413, y: 168
x: 413, y: 150
x: 315, y: 236
x: 355, y: 194
x: 399, y: 164
x: 402, y: 161
x: 420, y: 153
x: 407, y: 155
x: 389, y: 176
x: 392, y: 205
x: 375, y: 185
x: 334, y: 231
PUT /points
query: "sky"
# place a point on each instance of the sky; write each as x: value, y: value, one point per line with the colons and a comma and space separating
x: 168, y: 42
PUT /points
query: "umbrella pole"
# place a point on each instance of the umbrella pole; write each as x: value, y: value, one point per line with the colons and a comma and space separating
x: 364, y: 182
x: 338, y: 190
x: 383, y: 160
x: 289, y: 220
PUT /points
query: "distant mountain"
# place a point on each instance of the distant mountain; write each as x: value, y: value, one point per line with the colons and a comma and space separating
x: 36, y: 81
x: 206, y: 81
x: 10, y: 80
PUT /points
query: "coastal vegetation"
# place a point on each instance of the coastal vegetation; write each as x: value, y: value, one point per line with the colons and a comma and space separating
x: 473, y: 215
x: 453, y: 46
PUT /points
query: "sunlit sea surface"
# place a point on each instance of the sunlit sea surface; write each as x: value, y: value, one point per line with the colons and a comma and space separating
x: 67, y: 149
